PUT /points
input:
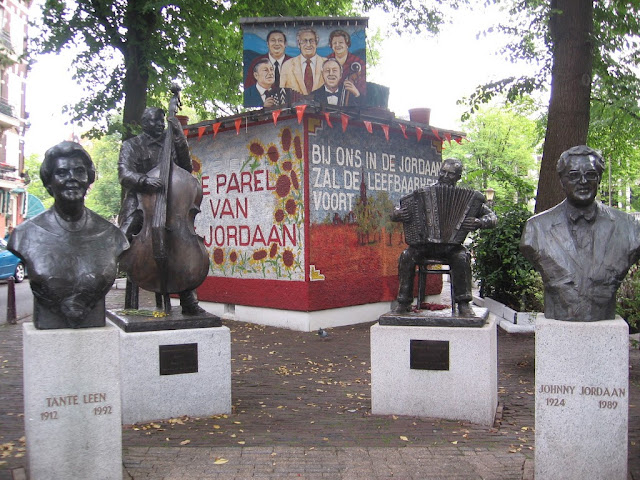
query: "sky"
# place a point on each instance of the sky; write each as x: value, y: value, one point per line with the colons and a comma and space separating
x: 435, y: 73
x: 421, y: 71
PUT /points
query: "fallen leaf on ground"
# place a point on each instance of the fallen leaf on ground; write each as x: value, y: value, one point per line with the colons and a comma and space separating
x: 185, y: 442
x: 403, y: 438
x: 220, y: 461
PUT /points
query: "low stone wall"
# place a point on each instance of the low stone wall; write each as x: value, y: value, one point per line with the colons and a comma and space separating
x: 509, y: 319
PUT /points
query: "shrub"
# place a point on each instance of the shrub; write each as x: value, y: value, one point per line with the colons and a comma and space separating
x: 628, y: 298
x: 501, y: 270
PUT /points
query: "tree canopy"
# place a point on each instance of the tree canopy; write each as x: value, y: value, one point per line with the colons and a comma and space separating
x: 500, y: 151
x: 588, y: 54
x: 130, y: 50
x: 104, y: 195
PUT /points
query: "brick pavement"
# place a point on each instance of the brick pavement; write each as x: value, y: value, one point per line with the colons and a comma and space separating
x: 302, y: 409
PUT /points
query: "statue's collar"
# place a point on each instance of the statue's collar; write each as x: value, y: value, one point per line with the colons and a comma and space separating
x: 589, y: 212
x: 149, y: 140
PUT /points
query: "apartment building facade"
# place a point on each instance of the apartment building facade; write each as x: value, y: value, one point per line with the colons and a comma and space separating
x: 13, y: 117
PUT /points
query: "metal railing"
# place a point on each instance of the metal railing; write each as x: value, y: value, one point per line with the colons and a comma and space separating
x: 6, y: 108
x: 5, y: 40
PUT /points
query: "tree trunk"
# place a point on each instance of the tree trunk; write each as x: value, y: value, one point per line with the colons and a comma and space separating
x: 140, y: 22
x: 570, y: 26
x: 135, y: 94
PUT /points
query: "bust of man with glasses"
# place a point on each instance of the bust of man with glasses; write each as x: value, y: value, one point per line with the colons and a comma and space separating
x: 582, y: 248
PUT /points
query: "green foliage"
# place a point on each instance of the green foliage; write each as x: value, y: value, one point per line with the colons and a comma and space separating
x: 504, y: 274
x: 628, y: 298
x: 35, y: 187
x: 501, y: 151
x: 415, y: 17
x: 614, y: 123
x: 616, y: 133
x: 134, y: 49
x: 616, y: 51
x: 104, y: 196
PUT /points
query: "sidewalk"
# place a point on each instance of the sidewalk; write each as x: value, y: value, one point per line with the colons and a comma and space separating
x: 302, y: 409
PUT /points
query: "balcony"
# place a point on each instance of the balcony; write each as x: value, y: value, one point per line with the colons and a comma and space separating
x: 7, y: 117
x: 8, y: 54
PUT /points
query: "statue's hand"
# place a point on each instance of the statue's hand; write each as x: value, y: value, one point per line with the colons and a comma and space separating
x: 175, y: 126
x: 401, y: 214
x: 152, y: 184
x: 471, y: 224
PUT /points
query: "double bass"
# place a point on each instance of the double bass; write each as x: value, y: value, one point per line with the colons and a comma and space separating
x: 356, y: 69
x: 167, y: 256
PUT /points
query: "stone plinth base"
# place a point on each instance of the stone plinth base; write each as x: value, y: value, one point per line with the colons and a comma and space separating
x: 170, y: 373
x: 176, y: 320
x: 299, y: 321
x: 442, y: 372
x: 72, y: 403
x: 436, y: 318
x: 582, y: 399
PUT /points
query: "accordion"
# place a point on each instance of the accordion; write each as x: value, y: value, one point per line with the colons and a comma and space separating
x: 437, y: 213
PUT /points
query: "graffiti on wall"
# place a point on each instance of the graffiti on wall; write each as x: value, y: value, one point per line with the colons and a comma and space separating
x: 253, y: 202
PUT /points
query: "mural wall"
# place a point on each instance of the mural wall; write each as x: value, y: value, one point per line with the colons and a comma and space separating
x: 295, y: 215
x: 252, y: 217
x: 288, y: 60
x: 355, y: 179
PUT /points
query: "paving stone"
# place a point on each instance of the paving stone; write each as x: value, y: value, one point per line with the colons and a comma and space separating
x: 307, y: 400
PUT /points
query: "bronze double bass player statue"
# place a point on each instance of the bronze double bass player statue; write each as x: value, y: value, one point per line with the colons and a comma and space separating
x: 160, y: 202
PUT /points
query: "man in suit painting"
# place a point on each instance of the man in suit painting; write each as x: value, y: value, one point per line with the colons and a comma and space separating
x: 332, y: 93
x: 582, y: 248
x: 276, y: 43
x: 303, y: 73
x: 264, y: 93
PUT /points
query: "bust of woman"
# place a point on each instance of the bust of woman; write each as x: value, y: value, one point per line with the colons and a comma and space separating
x: 71, y: 253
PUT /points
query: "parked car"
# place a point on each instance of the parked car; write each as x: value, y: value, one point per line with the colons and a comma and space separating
x: 10, y: 265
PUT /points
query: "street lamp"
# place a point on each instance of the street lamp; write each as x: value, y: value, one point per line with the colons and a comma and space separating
x: 489, y: 193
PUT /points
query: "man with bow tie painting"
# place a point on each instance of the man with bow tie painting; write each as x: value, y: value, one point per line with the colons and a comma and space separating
x: 332, y: 93
x: 582, y: 248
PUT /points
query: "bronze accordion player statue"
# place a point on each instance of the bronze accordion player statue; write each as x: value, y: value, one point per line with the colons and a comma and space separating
x: 436, y: 221
x: 438, y: 212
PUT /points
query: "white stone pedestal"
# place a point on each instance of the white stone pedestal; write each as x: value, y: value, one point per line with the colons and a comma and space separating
x: 467, y: 390
x: 149, y: 395
x: 582, y: 399
x: 72, y: 403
